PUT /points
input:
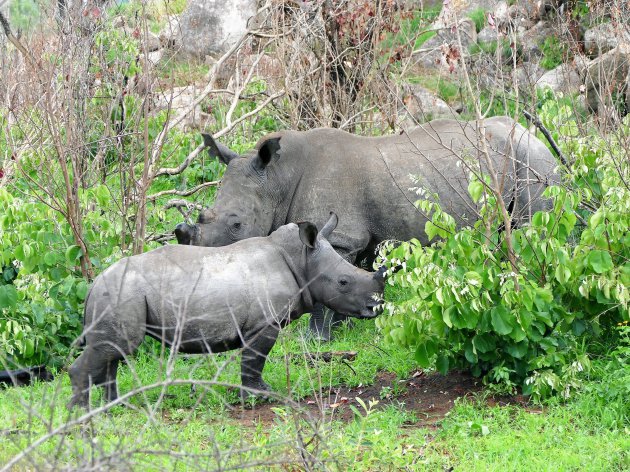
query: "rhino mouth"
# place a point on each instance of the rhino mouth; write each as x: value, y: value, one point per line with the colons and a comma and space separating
x: 372, y: 309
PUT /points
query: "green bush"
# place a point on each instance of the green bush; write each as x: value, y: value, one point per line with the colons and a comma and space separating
x: 554, y: 52
x: 466, y: 306
x: 42, y: 291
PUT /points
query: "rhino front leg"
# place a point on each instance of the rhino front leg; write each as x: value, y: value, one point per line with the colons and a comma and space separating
x: 321, y: 321
x: 253, y: 360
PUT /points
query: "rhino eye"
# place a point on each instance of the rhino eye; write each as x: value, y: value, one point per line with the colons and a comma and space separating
x: 343, y: 282
x: 236, y: 225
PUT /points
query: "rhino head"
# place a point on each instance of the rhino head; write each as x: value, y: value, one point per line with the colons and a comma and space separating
x: 332, y: 280
x: 243, y: 207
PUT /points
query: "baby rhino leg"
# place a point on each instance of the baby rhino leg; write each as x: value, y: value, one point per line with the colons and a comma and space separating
x: 253, y: 360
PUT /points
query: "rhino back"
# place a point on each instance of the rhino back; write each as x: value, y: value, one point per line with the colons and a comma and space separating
x: 366, y: 180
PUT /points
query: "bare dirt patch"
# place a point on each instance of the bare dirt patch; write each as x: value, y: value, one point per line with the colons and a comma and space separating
x: 429, y: 396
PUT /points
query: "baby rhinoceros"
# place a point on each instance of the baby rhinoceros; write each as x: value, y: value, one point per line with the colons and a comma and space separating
x: 207, y: 300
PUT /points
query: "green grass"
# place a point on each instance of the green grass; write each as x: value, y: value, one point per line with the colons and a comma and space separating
x: 557, y: 438
x: 200, y: 432
x: 479, y: 18
x: 443, y: 88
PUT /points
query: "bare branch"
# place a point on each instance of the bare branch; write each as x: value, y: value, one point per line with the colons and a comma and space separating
x: 178, y: 203
x: 183, y: 166
x: 183, y: 193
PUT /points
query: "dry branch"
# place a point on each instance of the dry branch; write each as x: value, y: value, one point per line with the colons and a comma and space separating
x: 183, y: 193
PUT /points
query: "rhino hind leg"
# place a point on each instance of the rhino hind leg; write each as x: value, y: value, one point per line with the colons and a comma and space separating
x: 97, y: 366
x: 253, y: 361
x: 89, y: 369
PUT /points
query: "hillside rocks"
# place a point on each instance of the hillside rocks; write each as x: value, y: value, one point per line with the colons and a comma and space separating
x: 563, y: 78
x: 210, y: 28
x: 604, y: 37
x: 179, y: 99
x: 442, y: 50
x: 421, y: 105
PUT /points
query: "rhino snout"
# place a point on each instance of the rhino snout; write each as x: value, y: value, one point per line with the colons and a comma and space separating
x: 184, y: 233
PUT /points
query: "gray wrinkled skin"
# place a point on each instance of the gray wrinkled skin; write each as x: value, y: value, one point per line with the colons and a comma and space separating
x: 206, y: 300
x: 296, y: 176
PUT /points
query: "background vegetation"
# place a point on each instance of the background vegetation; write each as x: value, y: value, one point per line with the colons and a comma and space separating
x: 99, y: 160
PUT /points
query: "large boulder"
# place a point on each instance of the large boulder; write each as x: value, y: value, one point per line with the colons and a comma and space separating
x: 563, y: 78
x: 604, y: 37
x: 422, y: 105
x: 527, y: 75
x: 605, y: 77
x: 442, y: 51
x: 210, y: 28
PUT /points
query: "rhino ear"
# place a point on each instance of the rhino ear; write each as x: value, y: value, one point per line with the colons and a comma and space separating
x: 308, y: 233
x: 215, y: 149
x: 330, y: 225
x: 268, y: 150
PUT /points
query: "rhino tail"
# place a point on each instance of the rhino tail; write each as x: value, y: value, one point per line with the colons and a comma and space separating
x: 81, y: 339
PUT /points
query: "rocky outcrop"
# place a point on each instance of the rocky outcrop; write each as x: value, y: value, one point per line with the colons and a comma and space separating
x: 420, y: 106
x: 210, y: 28
x: 604, y: 37
x: 563, y: 78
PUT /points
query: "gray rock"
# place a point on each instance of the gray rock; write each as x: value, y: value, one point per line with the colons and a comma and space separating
x: 421, y: 105
x: 171, y: 31
x: 611, y: 67
x: 604, y: 75
x: 210, y: 28
x: 487, y: 35
x: 604, y: 37
x: 563, y: 78
x: 442, y: 51
x: 179, y: 99
x: 153, y: 42
x: 531, y: 40
x: 526, y: 75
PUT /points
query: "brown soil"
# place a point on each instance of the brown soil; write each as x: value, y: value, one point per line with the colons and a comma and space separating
x: 429, y: 396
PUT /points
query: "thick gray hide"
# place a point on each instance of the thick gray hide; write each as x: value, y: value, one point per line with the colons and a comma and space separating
x: 201, y: 300
x: 297, y: 176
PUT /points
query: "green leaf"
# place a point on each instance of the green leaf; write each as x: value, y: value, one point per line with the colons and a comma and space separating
x: 50, y: 258
x: 502, y: 320
x: 484, y: 343
x: 446, y: 316
x: 475, y: 190
x: 422, y: 356
x: 431, y: 230
x: 8, y: 296
x: 442, y: 364
x: 563, y: 274
x: 600, y: 261
x: 518, y: 350
x: 82, y: 290
x: 72, y: 254
x: 102, y: 195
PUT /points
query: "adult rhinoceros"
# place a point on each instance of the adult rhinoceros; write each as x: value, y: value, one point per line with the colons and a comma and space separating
x: 293, y: 176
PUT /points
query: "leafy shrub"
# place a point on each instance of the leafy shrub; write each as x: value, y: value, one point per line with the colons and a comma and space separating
x: 554, y: 52
x: 42, y: 292
x: 467, y: 307
x: 606, y: 395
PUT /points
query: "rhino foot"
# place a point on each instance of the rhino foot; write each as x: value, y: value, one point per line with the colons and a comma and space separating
x: 255, y: 391
x: 80, y: 401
